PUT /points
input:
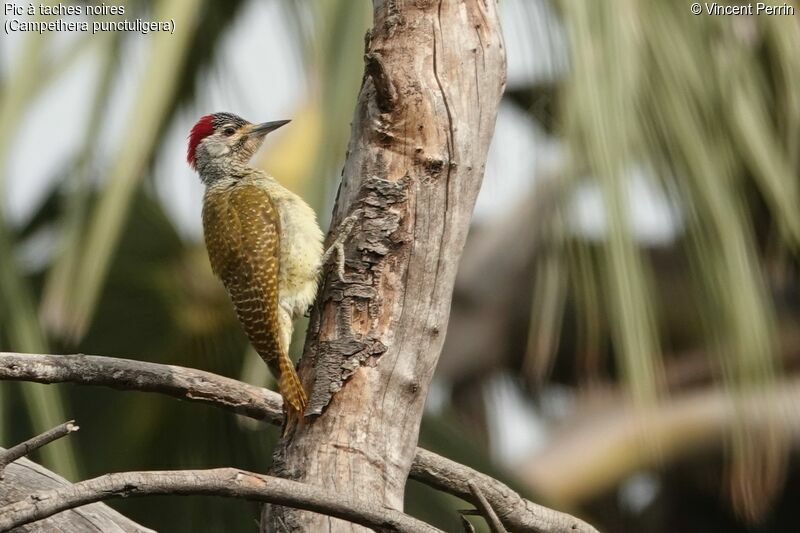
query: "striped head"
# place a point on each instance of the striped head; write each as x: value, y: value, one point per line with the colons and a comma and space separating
x: 223, y: 143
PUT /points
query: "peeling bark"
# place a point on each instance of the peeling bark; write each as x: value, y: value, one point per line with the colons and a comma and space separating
x: 434, y: 75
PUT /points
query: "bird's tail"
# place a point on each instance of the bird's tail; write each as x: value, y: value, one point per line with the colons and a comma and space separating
x: 290, y: 387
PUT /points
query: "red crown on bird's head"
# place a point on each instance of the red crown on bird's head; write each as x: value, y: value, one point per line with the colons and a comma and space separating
x: 201, y: 130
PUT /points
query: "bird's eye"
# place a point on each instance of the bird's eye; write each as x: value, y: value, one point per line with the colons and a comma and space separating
x: 227, y: 132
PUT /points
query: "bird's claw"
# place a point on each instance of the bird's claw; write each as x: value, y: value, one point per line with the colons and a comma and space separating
x: 342, y: 233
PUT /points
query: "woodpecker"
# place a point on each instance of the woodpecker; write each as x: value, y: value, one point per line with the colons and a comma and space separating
x: 263, y: 242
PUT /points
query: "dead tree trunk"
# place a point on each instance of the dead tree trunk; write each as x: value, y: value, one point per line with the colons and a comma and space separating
x: 23, y: 477
x: 434, y: 75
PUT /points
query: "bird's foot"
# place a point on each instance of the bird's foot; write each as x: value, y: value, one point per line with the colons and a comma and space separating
x: 337, y: 248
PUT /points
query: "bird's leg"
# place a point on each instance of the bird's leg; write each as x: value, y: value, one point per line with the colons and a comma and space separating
x: 342, y: 233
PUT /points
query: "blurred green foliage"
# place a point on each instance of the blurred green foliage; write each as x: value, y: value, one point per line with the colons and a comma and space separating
x: 707, y: 108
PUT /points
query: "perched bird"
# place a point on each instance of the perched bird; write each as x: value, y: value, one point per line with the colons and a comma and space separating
x: 263, y: 242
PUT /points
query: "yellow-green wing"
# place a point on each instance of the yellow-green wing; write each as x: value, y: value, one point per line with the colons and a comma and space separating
x: 242, y: 232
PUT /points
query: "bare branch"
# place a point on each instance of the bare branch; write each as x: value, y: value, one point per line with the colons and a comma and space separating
x: 572, y: 470
x: 486, y: 509
x: 125, y: 374
x: 21, y: 450
x: 227, y: 482
x: 515, y: 512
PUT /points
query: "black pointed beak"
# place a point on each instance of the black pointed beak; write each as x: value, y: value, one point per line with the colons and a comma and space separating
x: 266, y: 127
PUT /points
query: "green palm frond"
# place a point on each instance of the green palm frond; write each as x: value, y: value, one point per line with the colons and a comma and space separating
x: 30, y: 74
x: 601, y: 123
x: 54, y: 308
x: 705, y: 105
x: 158, y: 85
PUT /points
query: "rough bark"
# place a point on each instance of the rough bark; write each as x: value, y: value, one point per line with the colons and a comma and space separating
x: 435, y: 72
x: 516, y: 513
x: 23, y: 477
